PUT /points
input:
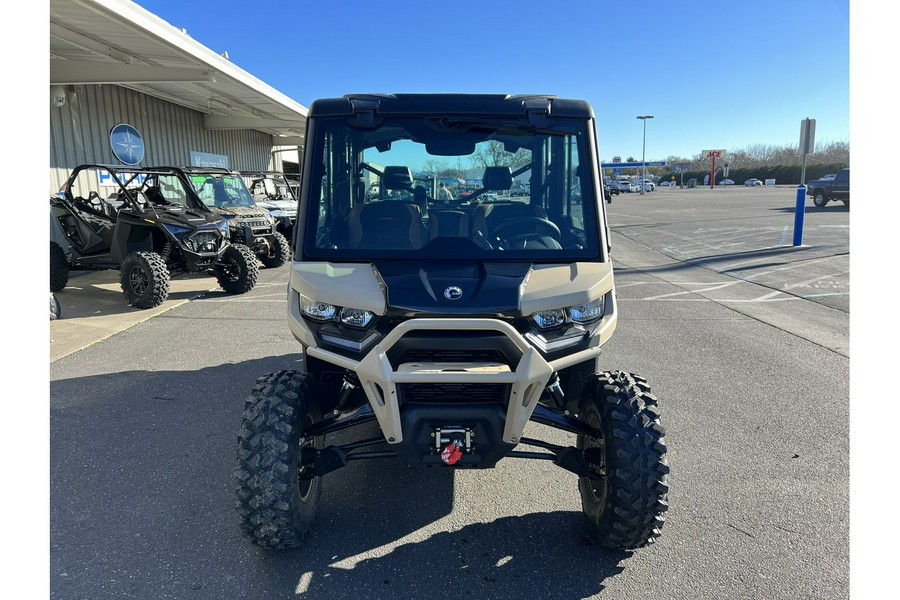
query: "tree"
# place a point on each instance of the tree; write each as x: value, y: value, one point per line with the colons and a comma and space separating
x: 494, y: 154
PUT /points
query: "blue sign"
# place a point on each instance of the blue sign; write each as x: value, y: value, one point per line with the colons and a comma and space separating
x: 105, y: 178
x: 127, y: 144
x: 655, y: 163
x: 207, y: 159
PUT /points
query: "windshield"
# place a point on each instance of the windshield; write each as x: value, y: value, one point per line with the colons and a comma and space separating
x: 221, y: 190
x: 430, y: 187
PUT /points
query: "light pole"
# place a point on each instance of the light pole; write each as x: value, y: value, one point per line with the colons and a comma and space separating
x: 644, y: 152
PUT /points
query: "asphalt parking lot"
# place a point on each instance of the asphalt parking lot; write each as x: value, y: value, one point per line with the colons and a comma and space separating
x: 744, y: 339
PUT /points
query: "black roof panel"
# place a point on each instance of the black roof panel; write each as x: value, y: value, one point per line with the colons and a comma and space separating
x: 471, y: 104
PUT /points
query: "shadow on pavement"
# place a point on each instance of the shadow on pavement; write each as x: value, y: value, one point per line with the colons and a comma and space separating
x: 539, y: 555
x: 142, y: 506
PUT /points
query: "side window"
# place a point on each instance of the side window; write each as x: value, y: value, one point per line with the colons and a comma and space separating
x: 842, y: 177
x: 576, y: 179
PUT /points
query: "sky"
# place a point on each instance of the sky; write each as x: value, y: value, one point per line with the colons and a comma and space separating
x: 714, y: 75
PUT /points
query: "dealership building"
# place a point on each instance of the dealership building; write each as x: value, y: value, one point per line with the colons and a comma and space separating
x: 128, y: 88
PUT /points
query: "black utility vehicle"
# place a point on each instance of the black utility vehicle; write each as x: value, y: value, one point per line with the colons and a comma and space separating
x: 225, y: 193
x: 273, y: 191
x: 451, y: 323
x: 144, y: 223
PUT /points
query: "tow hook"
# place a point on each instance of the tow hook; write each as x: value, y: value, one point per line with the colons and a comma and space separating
x: 451, y: 442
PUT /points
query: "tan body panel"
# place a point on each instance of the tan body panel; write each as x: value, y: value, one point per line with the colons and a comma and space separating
x: 358, y: 286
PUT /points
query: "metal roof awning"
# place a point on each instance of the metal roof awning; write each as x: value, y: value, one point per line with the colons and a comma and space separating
x: 118, y: 42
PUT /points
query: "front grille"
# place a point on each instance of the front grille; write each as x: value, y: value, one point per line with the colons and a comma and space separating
x: 488, y: 355
x: 430, y: 393
x: 256, y: 223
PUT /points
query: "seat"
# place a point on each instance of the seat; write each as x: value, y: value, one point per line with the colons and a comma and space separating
x: 155, y: 195
x: 496, y: 178
x: 447, y: 223
x: 396, y: 177
x: 385, y: 225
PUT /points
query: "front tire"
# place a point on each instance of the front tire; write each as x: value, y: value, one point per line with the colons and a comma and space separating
x: 55, y: 309
x: 819, y: 199
x: 625, y: 500
x: 145, y: 279
x: 275, y: 507
x: 237, y: 270
x: 281, y: 251
x: 59, y: 268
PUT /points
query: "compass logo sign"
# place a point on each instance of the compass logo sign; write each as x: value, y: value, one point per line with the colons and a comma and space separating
x: 127, y: 144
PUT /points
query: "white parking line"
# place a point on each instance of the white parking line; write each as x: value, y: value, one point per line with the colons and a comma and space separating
x: 808, y: 281
x: 709, y: 288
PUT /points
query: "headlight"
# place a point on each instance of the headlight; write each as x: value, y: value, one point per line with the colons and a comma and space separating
x: 547, y: 319
x: 223, y: 227
x: 317, y: 311
x: 585, y: 313
x: 356, y: 317
x: 580, y: 313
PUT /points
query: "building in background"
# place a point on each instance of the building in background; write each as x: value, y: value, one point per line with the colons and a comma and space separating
x: 128, y: 88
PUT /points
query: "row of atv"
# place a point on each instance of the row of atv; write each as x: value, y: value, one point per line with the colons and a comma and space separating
x: 151, y: 223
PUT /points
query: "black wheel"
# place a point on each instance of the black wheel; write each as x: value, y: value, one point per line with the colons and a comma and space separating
x: 59, y: 268
x: 281, y: 252
x: 276, y: 505
x: 819, y: 198
x: 237, y: 270
x: 55, y: 309
x: 145, y: 279
x: 627, y: 495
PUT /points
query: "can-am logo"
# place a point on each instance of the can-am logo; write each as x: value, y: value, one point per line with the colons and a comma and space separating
x: 453, y: 293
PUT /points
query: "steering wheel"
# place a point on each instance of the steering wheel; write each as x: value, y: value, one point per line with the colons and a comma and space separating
x: 515, y: 229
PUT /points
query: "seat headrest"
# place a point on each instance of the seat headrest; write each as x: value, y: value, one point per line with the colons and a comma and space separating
x: 496, y: 178
x: 397, y: 178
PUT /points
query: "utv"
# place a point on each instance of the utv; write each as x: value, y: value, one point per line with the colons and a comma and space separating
x: 451, y: 323
x: 225, y: 193
x: 274, y: 192
x: 147, y: 227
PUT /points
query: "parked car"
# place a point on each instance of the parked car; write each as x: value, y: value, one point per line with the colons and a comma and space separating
x: 726, y: 182
x: 824, y: 190
x: 649, y: 184
x: 613, y: 187
x: 753, y: 181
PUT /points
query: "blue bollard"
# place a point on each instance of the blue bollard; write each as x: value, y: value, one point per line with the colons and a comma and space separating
x: 798, y: 215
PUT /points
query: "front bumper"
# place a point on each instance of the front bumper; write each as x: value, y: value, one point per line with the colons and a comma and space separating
x: 379, y: 379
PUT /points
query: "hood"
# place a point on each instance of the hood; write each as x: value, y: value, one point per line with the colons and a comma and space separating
x: 186, y: 217
x: 471, y: 287
x: 285, y: 205
x: 240, y: 211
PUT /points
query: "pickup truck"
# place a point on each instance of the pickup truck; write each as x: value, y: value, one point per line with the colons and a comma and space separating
x: 825, y: 190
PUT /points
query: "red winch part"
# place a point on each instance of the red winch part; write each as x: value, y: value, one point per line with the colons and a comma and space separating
x: 452, y: 453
